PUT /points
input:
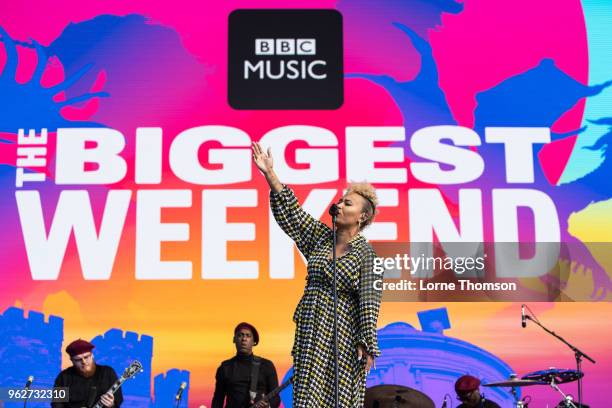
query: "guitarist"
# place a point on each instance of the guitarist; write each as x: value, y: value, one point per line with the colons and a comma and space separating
x: 241, y: 380
x: 87, y: 381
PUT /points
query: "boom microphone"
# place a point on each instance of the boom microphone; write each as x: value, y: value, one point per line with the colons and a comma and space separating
x: 29, y: 382
x: 444, y: 404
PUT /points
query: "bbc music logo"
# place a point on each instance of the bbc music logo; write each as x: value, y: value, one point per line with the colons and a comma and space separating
x: 285, y: 59
x: 285, y: 46
x: 285, y: 68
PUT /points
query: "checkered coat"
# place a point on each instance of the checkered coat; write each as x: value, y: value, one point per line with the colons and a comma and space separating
x: 358, y: 307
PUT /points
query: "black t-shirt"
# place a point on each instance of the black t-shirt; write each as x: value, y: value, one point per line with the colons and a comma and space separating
x: 484, y: 403
x: 81, y: 391
x: 233, y: 381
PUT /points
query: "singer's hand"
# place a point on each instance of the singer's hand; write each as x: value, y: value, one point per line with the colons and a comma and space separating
x: 361, y: 352
x: 262, y: 159
x: 261, y: 404
x: 108, y: 399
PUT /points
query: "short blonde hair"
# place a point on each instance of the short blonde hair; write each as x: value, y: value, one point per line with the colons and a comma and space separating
x: 367, y: 191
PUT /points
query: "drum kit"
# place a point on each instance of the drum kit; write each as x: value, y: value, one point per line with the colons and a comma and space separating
x: 552, y: 377
x: 397, y: 396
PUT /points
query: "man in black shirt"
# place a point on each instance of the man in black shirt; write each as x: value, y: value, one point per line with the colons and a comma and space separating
x: 468, y: 392
x: 87, y: 381
x: 235, y: 376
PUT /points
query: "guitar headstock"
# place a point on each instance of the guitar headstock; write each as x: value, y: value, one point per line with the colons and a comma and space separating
x: 134, y: 368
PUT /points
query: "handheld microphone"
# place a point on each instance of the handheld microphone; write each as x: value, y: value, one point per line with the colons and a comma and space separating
x: 179, y: 393
x: 333, y: 210
x: 523, y: 319
x: 29, y: 382
x: 444, y: 404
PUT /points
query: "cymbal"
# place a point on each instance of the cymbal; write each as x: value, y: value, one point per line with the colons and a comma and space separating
x: 396, y: 396
x: 515, y: 383
x: 560, y: 375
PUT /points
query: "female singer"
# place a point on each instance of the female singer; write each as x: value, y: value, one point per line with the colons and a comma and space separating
x: 358, y: 301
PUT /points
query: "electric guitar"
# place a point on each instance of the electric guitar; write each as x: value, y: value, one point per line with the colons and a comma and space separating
x: 134, y: 368
x: 274, y: 392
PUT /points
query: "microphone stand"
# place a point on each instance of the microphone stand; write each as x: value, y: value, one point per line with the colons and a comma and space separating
x: 334, y: 213
x: 27, y: 388
x: 578, y: 354
x: 179, y: 396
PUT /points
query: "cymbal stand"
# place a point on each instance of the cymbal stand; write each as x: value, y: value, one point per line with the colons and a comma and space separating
x: 578, y: 354
x: 517, y: 400
x: 567, y: 398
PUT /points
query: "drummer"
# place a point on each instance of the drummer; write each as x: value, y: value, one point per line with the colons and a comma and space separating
x: 468, y: 392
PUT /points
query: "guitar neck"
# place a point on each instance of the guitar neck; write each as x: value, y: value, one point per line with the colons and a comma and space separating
x: 113, y: 389
x: 116, y: 385
x: 277, y: 390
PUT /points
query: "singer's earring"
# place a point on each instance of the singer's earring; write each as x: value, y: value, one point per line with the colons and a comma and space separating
x: 361, y: 222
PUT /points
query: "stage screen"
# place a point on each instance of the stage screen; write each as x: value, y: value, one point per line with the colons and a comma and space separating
x: 134, y: 217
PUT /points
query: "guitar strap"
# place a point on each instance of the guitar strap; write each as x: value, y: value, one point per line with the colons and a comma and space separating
x: 254, y: 377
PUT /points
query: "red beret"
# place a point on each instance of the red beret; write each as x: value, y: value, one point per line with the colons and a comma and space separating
x: 248, y: 326
x: 466, y: 383
x: 79, y: 346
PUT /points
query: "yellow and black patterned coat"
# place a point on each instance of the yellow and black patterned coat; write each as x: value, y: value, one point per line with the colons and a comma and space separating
x: 358, y: 307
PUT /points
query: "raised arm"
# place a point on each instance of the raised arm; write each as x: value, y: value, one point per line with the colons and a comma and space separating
x: 303, y: 228
x: 264, y: 162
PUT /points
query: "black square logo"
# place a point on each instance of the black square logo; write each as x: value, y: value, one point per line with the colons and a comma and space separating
x: 285, y: 59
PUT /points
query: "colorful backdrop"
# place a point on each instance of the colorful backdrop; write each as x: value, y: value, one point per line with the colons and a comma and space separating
x: 478, y: 63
